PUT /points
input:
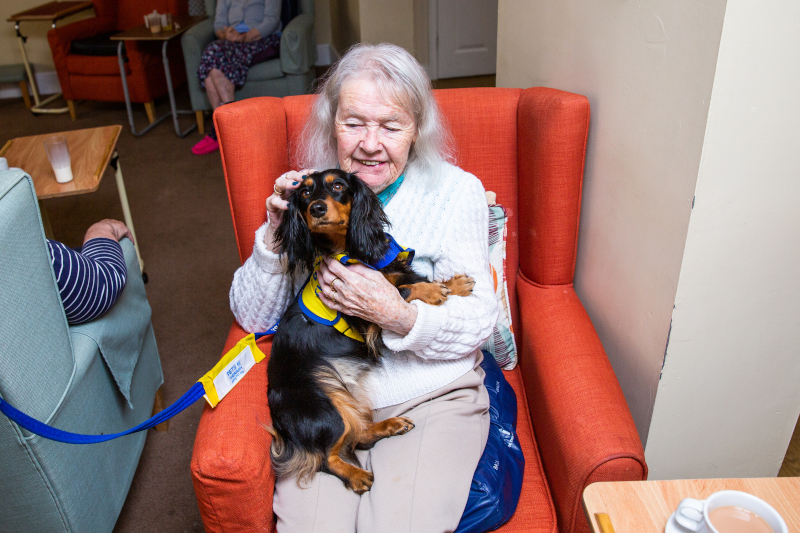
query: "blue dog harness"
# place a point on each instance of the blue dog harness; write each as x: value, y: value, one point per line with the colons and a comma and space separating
x: 314, y: 309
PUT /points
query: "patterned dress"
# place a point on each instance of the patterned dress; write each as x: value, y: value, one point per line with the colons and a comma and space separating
x: 234, y: 59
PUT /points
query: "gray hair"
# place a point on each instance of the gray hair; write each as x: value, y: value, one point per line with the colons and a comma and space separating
x: 398, y: 76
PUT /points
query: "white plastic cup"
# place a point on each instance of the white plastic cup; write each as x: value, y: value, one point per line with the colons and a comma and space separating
x: 58, y: 154
x: 155, y: 22
x: 693, y: 514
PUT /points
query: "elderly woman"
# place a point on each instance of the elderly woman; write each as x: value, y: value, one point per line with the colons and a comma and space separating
x: 376, y: 116
x: 248, y: 32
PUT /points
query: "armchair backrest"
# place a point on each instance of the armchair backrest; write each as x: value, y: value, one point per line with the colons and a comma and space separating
x: 34, y: 340
x: 527, y: 146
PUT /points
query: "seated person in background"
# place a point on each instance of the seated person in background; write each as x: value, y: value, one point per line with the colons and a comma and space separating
x: 248, y: 32
x: 90, y: 280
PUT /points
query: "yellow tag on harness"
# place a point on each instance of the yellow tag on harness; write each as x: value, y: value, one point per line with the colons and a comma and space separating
x: 313, y: 308
x: 233, y: 366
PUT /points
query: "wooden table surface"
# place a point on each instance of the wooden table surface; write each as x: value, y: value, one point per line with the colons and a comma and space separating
x: 645, y: 506
x: 90, y: 151
x: 143, y: 33
x: 51, y: 11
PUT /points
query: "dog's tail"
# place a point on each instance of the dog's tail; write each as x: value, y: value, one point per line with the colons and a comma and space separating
x: 289, y: 461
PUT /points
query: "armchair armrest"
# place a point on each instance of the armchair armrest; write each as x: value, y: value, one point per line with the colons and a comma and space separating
x: 298, y: 45
x: 231, y: 467
x: 581, y: 420
x: 60, y: 39
x: 193, y: 42
x: 62, y: 36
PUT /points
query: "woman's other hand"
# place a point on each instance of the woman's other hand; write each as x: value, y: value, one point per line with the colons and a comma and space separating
x: 358, y: 290
x: 221, y: 34
x: 109, y: 229
x: 233, y: 35
x: 252, y: 35
x: 278, y: 202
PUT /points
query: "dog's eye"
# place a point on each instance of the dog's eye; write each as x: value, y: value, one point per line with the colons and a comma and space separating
x: 338, y: 187
x: 305, y: 193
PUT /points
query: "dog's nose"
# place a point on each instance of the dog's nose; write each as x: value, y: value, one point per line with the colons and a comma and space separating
x: 318, y: 209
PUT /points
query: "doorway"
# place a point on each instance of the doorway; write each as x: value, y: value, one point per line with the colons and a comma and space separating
x: 462, y: 38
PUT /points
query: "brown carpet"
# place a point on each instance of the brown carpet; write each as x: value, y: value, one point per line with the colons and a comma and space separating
x: 180, y: 212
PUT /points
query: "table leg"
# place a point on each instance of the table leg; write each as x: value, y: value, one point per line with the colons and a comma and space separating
x: 172, y: 106
x: 125, y: 91
x: 39, y: 103
x: 126, y: 210
x: 48, y: 229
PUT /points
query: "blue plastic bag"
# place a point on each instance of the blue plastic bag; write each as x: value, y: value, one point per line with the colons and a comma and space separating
x: 497, y: 483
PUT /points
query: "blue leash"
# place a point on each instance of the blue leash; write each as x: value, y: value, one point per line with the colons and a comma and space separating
x: 43, y: 430
x: 196, y: 392
x: 49, y: 432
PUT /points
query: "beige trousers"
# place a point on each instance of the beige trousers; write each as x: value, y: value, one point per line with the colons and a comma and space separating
x: 422, y: 478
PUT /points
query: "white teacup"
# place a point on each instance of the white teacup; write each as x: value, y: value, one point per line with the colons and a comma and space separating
x: 694, y: 514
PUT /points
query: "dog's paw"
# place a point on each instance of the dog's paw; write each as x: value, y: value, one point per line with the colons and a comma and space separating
x: 400, y: 425
x: 439, y: 293
x: 460, y: 285
x: 360, y: 482
x: 432, y: 293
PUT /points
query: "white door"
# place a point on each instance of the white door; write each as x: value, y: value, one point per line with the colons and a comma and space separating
x: 466, y: 32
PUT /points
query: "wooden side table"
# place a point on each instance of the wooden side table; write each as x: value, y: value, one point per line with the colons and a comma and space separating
x: 645, y: 506
x: 51, y: 12
x: 91, y: 151
x: 143, y: 33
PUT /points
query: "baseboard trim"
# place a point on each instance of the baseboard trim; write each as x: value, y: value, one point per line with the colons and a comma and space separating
x: 326, y: 55
x: 46, y: 81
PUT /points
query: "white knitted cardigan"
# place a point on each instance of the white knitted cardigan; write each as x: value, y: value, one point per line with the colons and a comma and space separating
x: 445, y: 221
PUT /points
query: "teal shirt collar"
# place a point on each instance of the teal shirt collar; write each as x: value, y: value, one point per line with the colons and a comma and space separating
x: 388, y: 193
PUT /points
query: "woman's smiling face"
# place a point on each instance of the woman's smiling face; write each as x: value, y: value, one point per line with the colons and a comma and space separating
x: 374, y: 134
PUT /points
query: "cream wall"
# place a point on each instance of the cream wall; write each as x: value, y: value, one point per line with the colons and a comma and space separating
x: 658, y: 135
x: 345, y: 23
x: 647, y: 69
x: 322, y: 22
x: 387, y: 21
x: 730, y: 392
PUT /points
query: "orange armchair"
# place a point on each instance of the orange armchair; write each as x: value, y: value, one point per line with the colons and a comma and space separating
x: 574, y: 425
x: 97, y: 77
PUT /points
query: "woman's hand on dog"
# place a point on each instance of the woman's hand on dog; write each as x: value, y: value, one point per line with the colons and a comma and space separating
x: 367, y: 294
x: 278, y: 203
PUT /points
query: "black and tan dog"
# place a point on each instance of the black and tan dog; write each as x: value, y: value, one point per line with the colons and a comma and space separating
x: 320, y: 412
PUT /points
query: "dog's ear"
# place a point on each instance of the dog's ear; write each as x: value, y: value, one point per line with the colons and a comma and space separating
x: 294, y: 237
x: 366, y: 238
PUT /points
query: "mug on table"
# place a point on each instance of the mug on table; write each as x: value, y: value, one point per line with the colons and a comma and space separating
x: 729, y: 511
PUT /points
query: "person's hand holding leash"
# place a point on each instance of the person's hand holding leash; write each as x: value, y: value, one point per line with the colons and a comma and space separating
x: 357, y: 290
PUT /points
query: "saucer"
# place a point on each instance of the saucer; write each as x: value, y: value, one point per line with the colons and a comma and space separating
x: 673, y: 526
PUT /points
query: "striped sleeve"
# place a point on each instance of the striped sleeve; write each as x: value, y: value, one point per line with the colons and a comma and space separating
x: 90, y: 281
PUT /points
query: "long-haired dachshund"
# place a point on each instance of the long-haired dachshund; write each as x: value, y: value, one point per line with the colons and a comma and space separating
x: 320, y: 411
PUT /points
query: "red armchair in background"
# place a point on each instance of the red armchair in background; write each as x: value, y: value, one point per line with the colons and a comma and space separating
x: 574, y: 425
x: 96, y: 76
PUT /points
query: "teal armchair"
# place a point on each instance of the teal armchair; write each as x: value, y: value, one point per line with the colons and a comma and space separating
x: 289, y: 74
x: 98, y: 377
